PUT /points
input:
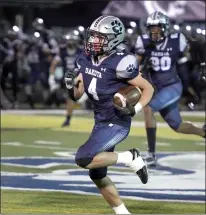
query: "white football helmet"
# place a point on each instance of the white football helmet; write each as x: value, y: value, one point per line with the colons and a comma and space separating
x: 160, y: 20
x: 104, y: 35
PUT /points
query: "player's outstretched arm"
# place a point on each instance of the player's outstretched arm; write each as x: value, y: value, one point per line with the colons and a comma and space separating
x: 147, y: 91
x: 74, y: 84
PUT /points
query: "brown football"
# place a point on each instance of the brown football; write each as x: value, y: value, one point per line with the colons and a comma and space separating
x: 129, y: 93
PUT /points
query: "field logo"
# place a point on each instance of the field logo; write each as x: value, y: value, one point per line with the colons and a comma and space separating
x: 178, y: 177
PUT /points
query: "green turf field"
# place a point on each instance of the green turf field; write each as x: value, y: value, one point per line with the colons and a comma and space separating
x: 26, y: 136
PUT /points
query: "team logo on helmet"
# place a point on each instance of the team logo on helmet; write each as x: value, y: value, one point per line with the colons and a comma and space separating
x: 116, y: 27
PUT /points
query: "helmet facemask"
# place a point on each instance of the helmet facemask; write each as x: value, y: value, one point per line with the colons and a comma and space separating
x: 157, y: 26
x: 157, y: 33
x: 96, y: 43
x: 72, y: 45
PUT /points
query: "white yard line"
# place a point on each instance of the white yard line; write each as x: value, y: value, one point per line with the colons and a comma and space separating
x: 12, y: 144
x: 45, y: 142
x: 35, y: 147
x: 160, y: 124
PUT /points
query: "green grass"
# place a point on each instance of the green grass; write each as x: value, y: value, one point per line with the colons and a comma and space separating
x: 140, y: 117
x: 74, y: 140
x: 28, y: 129
x: 22, y: 202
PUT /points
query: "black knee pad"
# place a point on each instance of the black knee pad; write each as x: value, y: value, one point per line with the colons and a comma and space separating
x: 83, y: 162
x: 97, y: 174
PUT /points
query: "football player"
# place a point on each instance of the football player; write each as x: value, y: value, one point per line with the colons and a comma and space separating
x: 68, y: 52
x: 102, y: 71
x: 12, y: 45
x: 161, y: 50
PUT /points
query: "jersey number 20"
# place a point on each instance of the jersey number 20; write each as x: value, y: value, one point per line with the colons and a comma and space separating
x: 163, y: 63
x: 92, y: 88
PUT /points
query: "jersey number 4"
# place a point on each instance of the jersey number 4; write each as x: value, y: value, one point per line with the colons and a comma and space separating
x: 92, y: 88
x: 163, y: 63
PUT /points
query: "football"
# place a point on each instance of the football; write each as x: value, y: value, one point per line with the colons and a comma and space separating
x: 129, y: 93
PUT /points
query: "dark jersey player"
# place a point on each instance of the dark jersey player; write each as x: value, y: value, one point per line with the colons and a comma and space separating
x: 162, y: 50
x: 66, y: 61
x: 102, y: 71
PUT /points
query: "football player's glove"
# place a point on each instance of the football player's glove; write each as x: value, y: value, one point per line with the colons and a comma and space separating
x: 128, y: 110
x: 131, y: 109
x: 69, y: 78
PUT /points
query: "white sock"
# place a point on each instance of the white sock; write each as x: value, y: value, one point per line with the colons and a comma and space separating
x: 121, y: 209
x: 124, y: 157
x: 137, y: 164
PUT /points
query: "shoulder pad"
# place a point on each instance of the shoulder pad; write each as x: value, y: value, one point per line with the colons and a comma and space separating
x: 127, y: 67
x: 183, y: 42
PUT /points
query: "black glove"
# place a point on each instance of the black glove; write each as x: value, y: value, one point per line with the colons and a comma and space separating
x: 69, y: 78
x: 128, y: 110
x: 131, y: 110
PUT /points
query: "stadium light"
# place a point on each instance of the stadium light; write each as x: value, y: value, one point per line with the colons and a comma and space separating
x: 81, y: 28
x: 198, y: 30
x: 40, y: 21
x: 15, y: 28
x: 133, y: 24
x: 176, y: 27
x: 188, y: 28
x: 203, y: 32
x: 129, y: 31
x: 37, y: 34
x: 76, y: 32
x: 67, y: 37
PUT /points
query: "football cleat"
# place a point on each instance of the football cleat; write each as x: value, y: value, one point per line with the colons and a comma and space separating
x: 139, y: 166
x: 66, y: 123
x: 151, y: 159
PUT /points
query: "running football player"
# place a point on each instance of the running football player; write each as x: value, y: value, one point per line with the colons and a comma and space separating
x: 161, y: 50
x: 102, y: 70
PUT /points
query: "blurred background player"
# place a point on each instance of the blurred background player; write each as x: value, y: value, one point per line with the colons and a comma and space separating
x: 190, y: 68
x: 11, y: 44
x: 159, y: 51
x: 41, y: 48
x: 61, y: 63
